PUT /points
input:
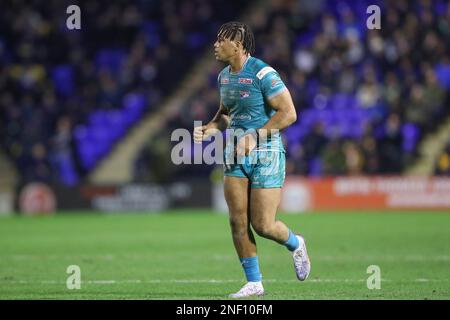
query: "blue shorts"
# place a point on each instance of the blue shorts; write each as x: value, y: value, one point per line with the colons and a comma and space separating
x: 264, y: 169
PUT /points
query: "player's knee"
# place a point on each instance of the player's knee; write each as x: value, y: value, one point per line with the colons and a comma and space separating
x: 238, y: 227
x: 262, y: 228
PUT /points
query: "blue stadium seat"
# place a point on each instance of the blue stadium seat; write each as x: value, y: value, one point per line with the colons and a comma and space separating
x: 411, y: 134
x: 62, y: 77
x: 110, y: 59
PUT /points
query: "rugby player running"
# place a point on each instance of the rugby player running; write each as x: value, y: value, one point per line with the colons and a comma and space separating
x: 255, y: 101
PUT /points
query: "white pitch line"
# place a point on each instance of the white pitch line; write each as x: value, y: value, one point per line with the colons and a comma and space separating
x: 212, y: 281
x: 409, y: 258
x: 415, y: 258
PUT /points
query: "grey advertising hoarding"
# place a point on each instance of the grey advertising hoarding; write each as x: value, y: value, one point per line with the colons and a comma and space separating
x: 134, y: 197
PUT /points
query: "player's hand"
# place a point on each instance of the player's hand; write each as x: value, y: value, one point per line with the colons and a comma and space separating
x: 203, y: 132
x: 245, y: 145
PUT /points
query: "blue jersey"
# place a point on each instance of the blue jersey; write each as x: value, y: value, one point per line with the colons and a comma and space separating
x: 245, y: 94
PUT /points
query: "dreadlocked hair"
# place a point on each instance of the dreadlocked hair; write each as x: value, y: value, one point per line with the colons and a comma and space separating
x: 234, y: 29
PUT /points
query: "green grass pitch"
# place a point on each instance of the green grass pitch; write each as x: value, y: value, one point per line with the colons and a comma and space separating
x: 189, y: 255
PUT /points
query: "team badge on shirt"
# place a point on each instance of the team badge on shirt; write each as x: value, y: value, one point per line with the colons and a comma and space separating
x: 244, y: 94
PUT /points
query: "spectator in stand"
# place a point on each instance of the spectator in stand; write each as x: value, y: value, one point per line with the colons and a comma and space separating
x: 354, y: 159
x: 314, y: 141
x: 390, y: 145
x: 333, y: 158
x: 443, y: 162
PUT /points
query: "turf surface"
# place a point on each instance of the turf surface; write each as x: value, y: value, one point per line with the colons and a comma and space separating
x: 189, y: 255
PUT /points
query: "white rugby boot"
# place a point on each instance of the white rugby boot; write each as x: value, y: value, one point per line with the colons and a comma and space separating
x: 250, y: 289
x: 302, y: 264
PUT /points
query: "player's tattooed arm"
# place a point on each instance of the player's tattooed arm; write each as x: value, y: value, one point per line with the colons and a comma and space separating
x: 219, y: 122
x: 285, y: 114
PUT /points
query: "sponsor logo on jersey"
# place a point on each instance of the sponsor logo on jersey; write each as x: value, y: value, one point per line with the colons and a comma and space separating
x: 245, y: 80
x: 244, y: 94
x: 224, y: 81
x: 242, y: 116
x: 264, y: 71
